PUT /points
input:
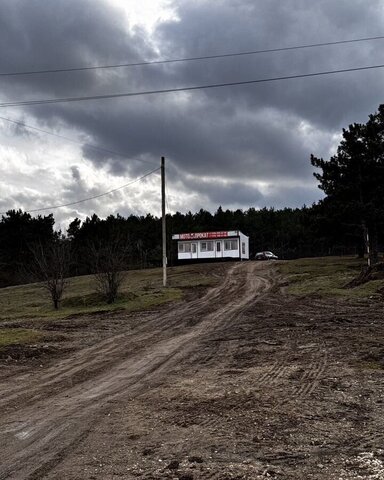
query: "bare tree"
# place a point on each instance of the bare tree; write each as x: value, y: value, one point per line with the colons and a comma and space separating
x: 110, y: 259
x: 51, y: 263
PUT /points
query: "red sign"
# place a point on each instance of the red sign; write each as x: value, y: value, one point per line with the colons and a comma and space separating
x: 202, y: 235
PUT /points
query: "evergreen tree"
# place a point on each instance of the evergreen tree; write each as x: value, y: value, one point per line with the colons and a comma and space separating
x: 353, y: 179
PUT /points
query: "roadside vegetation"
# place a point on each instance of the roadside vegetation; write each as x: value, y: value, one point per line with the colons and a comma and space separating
x: 329, y: 276
x: 141, y: 290
x: 24, y: 309
x: 18, y: 336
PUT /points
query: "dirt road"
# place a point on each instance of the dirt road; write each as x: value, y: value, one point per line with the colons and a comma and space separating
x: 244, y: 383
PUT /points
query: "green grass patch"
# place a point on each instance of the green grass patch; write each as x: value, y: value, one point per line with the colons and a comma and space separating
x: 16, y: 336
x: 327, y: 276
x: 141, y: 290
x: 372, y: 366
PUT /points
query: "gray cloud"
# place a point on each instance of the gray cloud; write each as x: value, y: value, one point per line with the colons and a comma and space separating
x: 261, y: 133
x: 76, y: 173
x: 218, y: 192
x: 244, y: 25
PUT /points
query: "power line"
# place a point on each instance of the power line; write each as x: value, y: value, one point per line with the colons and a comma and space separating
x: 184, y: 89
x: 188, y: 59
x: 89, y: 145
x: 90, y: 198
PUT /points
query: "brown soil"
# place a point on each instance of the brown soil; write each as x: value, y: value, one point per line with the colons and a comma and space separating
x: 244, y: 382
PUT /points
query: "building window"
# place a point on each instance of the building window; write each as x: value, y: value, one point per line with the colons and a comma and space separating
x: 230, y: 245
x: 206, y: 246
x: 185, y: 248
x: 243, y: 248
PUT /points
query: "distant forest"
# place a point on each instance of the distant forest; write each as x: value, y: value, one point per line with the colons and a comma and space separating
x: 290, y: 233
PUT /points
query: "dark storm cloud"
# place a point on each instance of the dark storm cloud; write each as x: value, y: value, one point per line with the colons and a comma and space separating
x: 213, y: 27
x: 232, y: 194
x: 198, y: 139
x: 262, y: 132
x: 39, y: 35
x: 218, y: 192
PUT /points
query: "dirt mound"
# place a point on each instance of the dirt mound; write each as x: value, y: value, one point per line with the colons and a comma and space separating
x: 28, y: 353
x: 374, y: 272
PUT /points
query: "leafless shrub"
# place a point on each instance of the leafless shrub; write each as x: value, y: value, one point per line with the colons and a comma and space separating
x: 51, y: 266
x: 110, y: 259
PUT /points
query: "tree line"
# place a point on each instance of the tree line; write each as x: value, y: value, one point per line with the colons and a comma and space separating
x: 290, y: 233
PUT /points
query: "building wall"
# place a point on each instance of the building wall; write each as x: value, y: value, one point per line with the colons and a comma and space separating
x: 215, y: 248
x: 244, y: 240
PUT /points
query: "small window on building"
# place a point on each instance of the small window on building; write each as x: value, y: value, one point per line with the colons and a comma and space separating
x: 206, y: 246
x: 243, y: 248
x: 230, y: 245
x: 193, y: 247
x: 185, y: 248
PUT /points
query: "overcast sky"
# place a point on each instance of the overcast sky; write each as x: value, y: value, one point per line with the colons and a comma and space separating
x: 238, y: 147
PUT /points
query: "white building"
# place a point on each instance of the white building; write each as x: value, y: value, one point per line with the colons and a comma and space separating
x: 212, y: 245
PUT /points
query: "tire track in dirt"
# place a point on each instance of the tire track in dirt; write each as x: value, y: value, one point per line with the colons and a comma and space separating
x: 313, y: 373
x: 66, y: 371
x: 278, y: 372
x: 306, y: 383
x: 371, y: 442
x: 36, y: 438
x: 273, y: 374
x: 249, y: 291
x: 96, y: 357
x: 260, y: 285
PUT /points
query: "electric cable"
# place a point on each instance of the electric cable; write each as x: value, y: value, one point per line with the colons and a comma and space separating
x: 89, y: 198
x: 189, y: 59
x: 89, y: 145
x: 184, y: 89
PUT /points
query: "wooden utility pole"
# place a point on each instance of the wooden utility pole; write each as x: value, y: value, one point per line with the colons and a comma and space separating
x: 163, y: 223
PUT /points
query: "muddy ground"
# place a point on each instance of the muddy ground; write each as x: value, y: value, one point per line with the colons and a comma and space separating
x: 241, y: 382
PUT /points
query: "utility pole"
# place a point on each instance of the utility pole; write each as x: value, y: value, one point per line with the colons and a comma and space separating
x: 367, y: 243
x: 368, y: 246
x: 163, y: 224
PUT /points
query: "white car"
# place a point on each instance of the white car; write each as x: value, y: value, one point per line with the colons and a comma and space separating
x: 266, y: 256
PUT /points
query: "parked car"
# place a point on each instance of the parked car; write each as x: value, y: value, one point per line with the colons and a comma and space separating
x: 266, y: 256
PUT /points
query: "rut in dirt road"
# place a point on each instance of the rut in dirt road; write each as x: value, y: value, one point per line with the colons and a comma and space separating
x: 56, y: 416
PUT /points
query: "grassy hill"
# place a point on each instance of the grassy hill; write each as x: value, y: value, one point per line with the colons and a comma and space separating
x: 141, y: 290
x: 23, y: 308
x: 329, y: 276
